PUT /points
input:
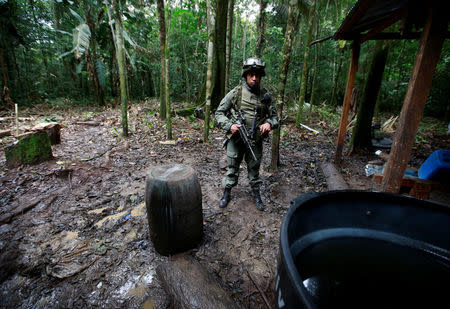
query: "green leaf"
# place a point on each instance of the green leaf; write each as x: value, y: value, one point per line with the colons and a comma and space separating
x: 341, y: 44
x: 81, y: 20
x: 79, y: 67
x: 101, y: 72
x: 63, y: 32
x: 81, y: 39
x: 128, y: 39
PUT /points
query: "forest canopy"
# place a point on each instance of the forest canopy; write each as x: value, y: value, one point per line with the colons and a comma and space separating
x: 59, y: 52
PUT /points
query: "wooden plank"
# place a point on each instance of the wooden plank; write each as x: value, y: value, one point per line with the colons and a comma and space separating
x: 347, y: 100
x: 428, y: 54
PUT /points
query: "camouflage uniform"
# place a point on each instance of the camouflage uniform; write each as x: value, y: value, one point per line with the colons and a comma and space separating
x: 236, y: 149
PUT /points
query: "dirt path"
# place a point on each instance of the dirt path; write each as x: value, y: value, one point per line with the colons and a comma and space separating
x: 84, y: 239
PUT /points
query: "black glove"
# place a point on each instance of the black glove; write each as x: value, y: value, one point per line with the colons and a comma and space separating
x: 266, y: 99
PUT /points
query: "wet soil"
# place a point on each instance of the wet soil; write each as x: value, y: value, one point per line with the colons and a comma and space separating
x: 74, y: 230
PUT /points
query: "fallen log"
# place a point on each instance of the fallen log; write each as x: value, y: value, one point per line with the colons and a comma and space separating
x: 192, y: 286
x: 4, y: 133
x: 335, y: 181
x: 88, y: 123
x: 19, y: 118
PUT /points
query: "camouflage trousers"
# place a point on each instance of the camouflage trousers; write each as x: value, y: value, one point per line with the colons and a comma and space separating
x: 236, y: 152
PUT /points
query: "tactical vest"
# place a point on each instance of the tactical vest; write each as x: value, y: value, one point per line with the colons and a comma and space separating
x: 247, y: 102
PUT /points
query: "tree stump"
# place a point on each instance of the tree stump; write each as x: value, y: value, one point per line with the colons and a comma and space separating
x: 192, y: 286
x: 173, y: 199
x: 32, y: 148
x: 53, y: 130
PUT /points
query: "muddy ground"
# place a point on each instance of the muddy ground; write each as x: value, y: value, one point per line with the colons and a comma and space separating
x: 74, y: 230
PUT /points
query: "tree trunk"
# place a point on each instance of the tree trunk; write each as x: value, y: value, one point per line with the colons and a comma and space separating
x: 218, y: 87
x: 186, y: 72
x: 261, y: 28
x: 301, y: 99
x: 122, y: 69
x: 211, y: 23
x: 94, y: 73
x: 244, y: 44
x: 287, y: 49
x: 229, y: 42
x: 333, y: 101
x: 5, y: 92
x: 166, y: 83
x: 162, y: 47
x: 361, y: 136
x: 312, y: 101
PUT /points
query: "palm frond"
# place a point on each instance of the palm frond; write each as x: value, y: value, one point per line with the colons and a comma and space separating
x: 77, y: 16
x: 81, y: 39
x: 128, y: 39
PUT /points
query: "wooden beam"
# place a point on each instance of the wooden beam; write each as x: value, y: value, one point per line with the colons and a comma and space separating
x: 347, y: 99
x: 427, y: 57
x: 394, y: 17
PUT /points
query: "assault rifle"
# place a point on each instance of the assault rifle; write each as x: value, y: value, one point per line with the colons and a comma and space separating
x: 244, y: 134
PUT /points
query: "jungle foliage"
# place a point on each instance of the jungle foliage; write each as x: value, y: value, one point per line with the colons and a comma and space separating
x: 58, y: 52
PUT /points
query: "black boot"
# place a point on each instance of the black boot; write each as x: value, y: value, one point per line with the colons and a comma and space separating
x: 258, y: 201
x: 225, y: 198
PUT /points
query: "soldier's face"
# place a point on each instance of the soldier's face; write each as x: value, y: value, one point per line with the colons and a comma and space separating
x: 253, y: 79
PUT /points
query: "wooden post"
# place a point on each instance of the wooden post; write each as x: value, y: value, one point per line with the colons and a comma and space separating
x: 16, y: 110
x: 347, y: 99
x: 419, y: 86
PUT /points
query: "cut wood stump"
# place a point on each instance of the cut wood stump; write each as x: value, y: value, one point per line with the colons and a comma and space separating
x: 192, y: 286
x: 335, y: 181
x: 173, y: 198
x: 31, y: 148
x: 53, y: 130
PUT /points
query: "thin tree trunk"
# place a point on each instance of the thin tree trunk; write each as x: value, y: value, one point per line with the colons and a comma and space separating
x: 361, y: 136
x: 211, y: 24
x: 261, y: 28
x: 162, y: 47
x: 244, y: 44
x: 218, y: 86
x: 122, y: 68
x: 305, y: 63
x: 312, y: 101
x: 287, y: 49
x: 336, y: 79
x: 167, y: 90
x: 228, y: 43
x: 186, y: 72
x: 93, y: 68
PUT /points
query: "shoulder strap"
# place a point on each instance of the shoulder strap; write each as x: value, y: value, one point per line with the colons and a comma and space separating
x: 238, y: 97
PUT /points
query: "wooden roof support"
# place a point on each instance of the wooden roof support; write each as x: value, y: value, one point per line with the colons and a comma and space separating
x: 427, y: 57
x: 347, y: 100
x: 397, y: 15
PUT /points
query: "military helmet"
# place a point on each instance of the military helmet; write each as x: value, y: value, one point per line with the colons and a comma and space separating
x: 253, y: 65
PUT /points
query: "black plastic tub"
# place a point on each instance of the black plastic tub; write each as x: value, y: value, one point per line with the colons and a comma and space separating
x: 359, y: 249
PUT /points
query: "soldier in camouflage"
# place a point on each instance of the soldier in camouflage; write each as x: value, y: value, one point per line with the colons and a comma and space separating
x: 251, y: 100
